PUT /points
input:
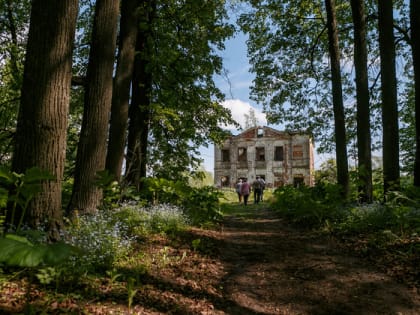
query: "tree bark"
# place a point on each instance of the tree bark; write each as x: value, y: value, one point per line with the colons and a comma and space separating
x: 415, y: 46
x: 42, y: 120
x: 364, y: 153
x: 337, y: 94
x: 139, y: 113
x: 390, y: 132
x: 91, y: 152
x: 121, y: 92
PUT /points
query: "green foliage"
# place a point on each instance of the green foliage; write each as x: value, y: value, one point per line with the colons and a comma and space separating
x: 17, y: 190
x: 201, y: 178
x: 18, y: 251
x: 101, y: 239
x: 14, y: 17
x: 106, y: 237
x: 363, y: 219
x: 140, y: 220
x: 321, y: 207
x: 310, y: 206
x: 196, y: 244
x: 131, y: 292
x: 200, y: 205
x: 183, y: 58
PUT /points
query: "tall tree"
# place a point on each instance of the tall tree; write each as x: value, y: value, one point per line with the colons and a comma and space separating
x: 390, y: 134
x: 337, y: 94
x: 91, y: 151
x: 121, y: 92
x: 139, y: 112
x: 181, y: 106
x: 42, y: 121
x: 364, y: 153
x: 415, y: 46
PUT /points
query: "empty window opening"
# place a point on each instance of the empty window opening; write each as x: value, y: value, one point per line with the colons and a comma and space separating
x: 225, y: 156
x: 260, y: 153
x: 278, y: 154
x: 242, y: 154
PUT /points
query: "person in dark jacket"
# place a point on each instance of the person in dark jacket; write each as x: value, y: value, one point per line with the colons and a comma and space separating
x: 256, y: 187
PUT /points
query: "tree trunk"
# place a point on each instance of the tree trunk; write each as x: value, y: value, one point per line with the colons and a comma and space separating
x: 91, y: 152
x: 364, y: 154
x: 415, y: 44
x: 337, y: 94
x: 139, y: 113
x: 42, y: 121
x: 121, y: 92
x: 390, y: 133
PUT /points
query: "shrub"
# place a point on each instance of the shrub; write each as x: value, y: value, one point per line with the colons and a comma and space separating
x: 200, y: 204
x: 107, y: 236
x: 101, y: 239
x: 364, y: 218
x: 310, y: 206
x: 140, y: 220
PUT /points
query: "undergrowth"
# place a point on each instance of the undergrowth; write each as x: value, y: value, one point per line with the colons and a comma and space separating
x: 386, y: 232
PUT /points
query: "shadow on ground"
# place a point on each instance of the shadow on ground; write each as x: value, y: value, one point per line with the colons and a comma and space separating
x: 273, y: 268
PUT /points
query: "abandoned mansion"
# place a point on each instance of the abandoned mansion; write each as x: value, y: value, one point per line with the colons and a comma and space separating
x: 279, y: 157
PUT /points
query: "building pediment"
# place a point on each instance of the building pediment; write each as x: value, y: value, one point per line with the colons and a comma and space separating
x: 266, y: 132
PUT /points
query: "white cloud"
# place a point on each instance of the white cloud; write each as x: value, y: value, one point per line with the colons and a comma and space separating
x: 239, y: 109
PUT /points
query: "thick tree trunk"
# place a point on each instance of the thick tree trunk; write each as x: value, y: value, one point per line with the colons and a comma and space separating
x: 91, y: 152
x: 415, y: 44
x: 390, y: 133
x: 121, y: 92
x: 42, y: 122
x: 139, y: 113
x: 337, y: 94
x: 364, y: 153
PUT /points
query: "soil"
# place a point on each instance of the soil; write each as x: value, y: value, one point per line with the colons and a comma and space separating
x: 255, y: 263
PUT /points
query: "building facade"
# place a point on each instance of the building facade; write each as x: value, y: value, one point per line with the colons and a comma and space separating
x: 281, y: 158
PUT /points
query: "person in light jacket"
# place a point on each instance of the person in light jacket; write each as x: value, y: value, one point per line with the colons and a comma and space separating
x: 245, y: 190
x: 238, y: 190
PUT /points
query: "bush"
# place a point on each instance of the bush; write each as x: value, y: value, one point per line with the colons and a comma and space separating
x: 100, y: 238
x: 140, y: 220
x: 365, y: 218
x: 107, y: 236
x: 310, y: 206
x: 200, y: 204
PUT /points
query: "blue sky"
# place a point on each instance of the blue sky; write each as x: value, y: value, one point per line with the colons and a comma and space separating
x: 235, y: 85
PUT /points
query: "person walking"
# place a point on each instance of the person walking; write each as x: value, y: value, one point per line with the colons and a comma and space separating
x: 238, y: 190
x: 256, y: 187
x: 245, y: 190
x: 262, y: 181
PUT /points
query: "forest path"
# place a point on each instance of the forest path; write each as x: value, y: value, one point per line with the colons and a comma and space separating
x: 272, y: 268
x: 253, y: 264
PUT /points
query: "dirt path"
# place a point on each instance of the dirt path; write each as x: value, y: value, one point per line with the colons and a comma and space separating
x: 254, y: 264
x: 271, y: 268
